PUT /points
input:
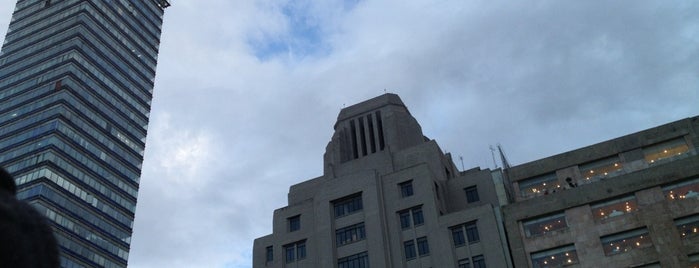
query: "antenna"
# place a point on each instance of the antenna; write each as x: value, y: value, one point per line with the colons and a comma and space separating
x: 492, y: 152
x: 462, y: 162
x: 505, y: 163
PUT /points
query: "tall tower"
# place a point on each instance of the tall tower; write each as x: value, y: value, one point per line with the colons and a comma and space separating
x: 76, y: 83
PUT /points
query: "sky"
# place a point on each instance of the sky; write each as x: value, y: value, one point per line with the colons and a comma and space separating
x: 247, y: 93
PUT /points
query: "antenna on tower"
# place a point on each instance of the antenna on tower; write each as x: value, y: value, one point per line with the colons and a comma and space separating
x: 505, y: 163
x: 492, y: 152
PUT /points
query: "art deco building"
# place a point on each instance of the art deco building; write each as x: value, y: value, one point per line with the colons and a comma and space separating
x: 628, y: 202
x: 76, y: 82
x: 388, y: 197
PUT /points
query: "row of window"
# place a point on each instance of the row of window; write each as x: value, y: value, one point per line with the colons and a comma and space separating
x: 423, y: 248
x: 477, y: 261
x: 471, y: 231
x: 406, y: 190
x: 609, y: 208
x: 603, y: 168
x: 295, y: 251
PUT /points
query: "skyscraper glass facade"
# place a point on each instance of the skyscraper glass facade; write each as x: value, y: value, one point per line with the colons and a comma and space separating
x: 76, y: 83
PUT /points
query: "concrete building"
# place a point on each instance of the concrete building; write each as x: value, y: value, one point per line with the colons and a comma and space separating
x: 388, y: 197
x: 628, y: 202
x: 76, y: 83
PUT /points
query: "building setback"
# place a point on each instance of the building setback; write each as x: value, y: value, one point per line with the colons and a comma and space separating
x: 388, y: 197
x: 76, y: 83
x: 628, y: 202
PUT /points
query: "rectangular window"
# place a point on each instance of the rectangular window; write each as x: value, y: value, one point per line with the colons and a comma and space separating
x: 423, y: 248
x: 409, y: 248
x: 270, y: 254
x: 457, y: 234
x: 295, y: 251
x: 347, y: 205
x: 350, y: 234
x: 406, y: 188
x: 682, y: 190
x: 545, y: 224
x: 464, y: 263
x: 472, y: 233
x: 478, y: 261
x: 598, y: 169
x: 472, y: 194
x: 294, y: 223
x: 360, y: 260
x: 615, y: 207
x: 405, y: 215
x: 688, y: 226
x: 625, y: 241
x: 540, y: 185
x: 555, y: 257
x: 666, y: 150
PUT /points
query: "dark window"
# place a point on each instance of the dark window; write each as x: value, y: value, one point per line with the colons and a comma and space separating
x: 472, y: 232
x: 457, y: 233
x: 270, y: 254
x: 294, y: 223
x: 348, y: 205
x: 353, y: 128
x: 423, y: 248
x: 350, y: 234
x: 379, y: 125
x: 371, y: 133
x: 404, y: 219
x: 360, y: 260
x: 472, y: 194
x: 464, y: 263
x: 417, y: 216
x: 295, y: 251
x: 362, y: 134
x: 406, y: 188
x: 478, y: 261
x: 409, y: 247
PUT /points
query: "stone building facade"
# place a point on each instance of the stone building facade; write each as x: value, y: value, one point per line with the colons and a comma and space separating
x: 388, y: 197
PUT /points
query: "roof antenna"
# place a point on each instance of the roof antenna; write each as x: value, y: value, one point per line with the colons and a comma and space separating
x: 462, y: 162
x: 384, y: 91
x: 492, y: 152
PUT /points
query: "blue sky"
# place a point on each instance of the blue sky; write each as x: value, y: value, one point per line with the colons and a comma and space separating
x: 247, y: 92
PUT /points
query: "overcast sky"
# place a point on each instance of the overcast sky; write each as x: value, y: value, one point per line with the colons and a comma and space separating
x: 247, y: 93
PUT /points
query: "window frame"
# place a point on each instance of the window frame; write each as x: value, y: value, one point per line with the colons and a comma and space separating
x: 423, y: 246
x: 347, y: 205
x: 406, y: 188
x: 472, y: 194
x: 293, y: 223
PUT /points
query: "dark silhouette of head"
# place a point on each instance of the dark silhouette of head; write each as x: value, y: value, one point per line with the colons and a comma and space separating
x: 26, y: 239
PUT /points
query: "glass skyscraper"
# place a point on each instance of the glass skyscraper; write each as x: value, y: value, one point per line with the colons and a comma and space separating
x: 76, y: 83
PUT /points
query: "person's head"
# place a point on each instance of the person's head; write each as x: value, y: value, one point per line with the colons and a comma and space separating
x: 26, y: 239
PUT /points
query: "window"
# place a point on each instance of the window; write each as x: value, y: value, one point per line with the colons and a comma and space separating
x: 347, y: 205
x: 479, y: 261
x: 471, y: 194
x: 615, y: 207
x: 423, y: 248
x: 682, y: 190
x: 294, y: 223
x: 350, y: 234
x: 409, y: 248
x: 688, y: 226
x: 464, y: 263
x: 404, y: 217
x: 270, y: 254
x: 406, y: 188
x: 295, y: 251
x: 360, y: 260
x: 598, y: 169
x: 471, y: 230
x: 665, y: 150
x: 694, y: 260
x: 555, y: 257
x: 540, y: 185
x: 625, y: 241
x: 457, y: 234
x: 545, y: 224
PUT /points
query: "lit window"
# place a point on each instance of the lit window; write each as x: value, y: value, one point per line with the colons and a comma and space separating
x: 540, y: 185
x: 682, y: 190
x: 688, y: 226
x: 294, y: 223
x: 347, y: 205
x: 602, y: 168
x: 545, y: 224
x: 406, y: 188
x: 623, y: 242
x: 350, y: 234
x: 471, y: 194
x: 665, y: 151
x: 555, y: 257
x: 615, y: 207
